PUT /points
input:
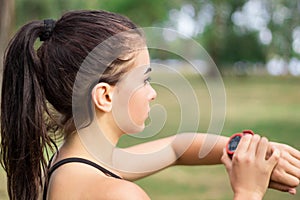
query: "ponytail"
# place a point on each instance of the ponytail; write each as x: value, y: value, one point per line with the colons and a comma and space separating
x: 24, y: 137
x: 32, y: 80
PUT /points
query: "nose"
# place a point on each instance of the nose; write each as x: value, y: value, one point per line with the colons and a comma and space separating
x: 152, y: 93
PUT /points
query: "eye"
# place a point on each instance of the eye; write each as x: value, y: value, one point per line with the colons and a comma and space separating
x: 147, y: 80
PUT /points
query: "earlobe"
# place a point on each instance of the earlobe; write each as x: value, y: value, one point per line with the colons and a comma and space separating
x: 102, y: 94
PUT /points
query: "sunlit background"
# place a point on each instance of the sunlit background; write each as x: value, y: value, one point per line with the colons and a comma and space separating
x: 253, y: 37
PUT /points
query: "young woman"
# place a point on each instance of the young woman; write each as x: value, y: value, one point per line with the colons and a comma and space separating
x: 49, y: 90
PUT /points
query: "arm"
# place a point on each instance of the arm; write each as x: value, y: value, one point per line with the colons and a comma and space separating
x: 285, y: 176
x: 183, y: 149
x: 205, y: 149
x: 249, y: 171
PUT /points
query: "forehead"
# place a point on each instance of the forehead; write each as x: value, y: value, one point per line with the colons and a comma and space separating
x: 133, y: 79
x: 138, y: 66
x: 142, y: 59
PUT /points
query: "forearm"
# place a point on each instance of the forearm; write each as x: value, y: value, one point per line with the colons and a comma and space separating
x: 181, y: 149
x: 186, y: 148
x: 203, y: 149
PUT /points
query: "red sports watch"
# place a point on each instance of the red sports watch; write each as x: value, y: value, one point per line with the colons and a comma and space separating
x: 234, y: 141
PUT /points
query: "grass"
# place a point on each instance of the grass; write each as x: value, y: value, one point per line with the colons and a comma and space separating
x: 268, y: 105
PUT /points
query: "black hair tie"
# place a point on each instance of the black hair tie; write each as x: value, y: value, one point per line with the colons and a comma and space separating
x: 47, y: 30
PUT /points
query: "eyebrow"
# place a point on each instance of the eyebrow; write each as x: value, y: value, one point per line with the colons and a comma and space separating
x: 148, y: 70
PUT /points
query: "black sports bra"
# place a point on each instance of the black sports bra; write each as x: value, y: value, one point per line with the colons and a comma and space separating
x: 74, y: 159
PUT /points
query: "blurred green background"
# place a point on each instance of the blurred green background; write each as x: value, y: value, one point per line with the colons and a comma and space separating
x: 255, y: 45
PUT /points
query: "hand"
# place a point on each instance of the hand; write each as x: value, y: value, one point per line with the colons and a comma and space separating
x: 249, y: 170
x: 286, y: 174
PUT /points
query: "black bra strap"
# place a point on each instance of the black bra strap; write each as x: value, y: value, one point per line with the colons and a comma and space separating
x: 81, y: 160
x: 74, y: 159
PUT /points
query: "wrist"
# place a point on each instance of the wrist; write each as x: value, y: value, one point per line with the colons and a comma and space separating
x: 247, y: 196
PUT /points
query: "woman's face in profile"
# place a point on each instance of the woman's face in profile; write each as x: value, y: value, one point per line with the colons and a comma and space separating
x: 133, y: 94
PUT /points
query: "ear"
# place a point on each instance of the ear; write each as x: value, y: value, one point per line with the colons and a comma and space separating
x: 102, y: 96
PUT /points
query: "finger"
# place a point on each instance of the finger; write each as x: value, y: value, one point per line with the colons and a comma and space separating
x: 293, y: 191
x: 293, y: 171
x: 293, y: 161
x: 280, y: 187
x: 294, y: 152
x: 286, y: 179
x: 253, y: 145
x: 226, y: 160
x: 273, y: 160
x: 288, y: 165
x: 244, y: 144
x: 262, y: 148
x: 293, y: 164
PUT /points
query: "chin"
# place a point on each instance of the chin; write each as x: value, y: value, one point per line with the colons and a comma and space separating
x: 134, y: 129
x: 139, y: 128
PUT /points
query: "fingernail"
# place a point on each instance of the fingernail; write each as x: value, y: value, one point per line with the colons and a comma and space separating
x: 248, y: 136
x: 292, y: 191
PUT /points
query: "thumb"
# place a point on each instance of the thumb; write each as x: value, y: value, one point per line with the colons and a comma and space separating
x: 274, y: 158
x: 226, y: 160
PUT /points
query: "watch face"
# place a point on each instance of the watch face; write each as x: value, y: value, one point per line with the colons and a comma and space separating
x: 234, y: 143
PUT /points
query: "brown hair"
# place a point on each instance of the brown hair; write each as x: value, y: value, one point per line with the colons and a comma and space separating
x: 33, y: 80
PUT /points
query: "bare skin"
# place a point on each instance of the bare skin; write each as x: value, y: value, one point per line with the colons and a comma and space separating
x: 79, y: 181
x: 249, y: 170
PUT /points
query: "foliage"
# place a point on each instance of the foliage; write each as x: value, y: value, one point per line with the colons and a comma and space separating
x: 144, y: 13
x: 226, y: 41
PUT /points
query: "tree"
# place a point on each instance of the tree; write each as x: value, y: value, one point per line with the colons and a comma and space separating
x: 227, y: 31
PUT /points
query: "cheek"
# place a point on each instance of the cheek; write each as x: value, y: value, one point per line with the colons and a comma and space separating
x: 130, y: 109
x: 138, y: 107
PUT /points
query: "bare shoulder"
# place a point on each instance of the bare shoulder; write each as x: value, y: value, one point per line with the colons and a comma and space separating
x: 80, y: 181
x: 127, y: 190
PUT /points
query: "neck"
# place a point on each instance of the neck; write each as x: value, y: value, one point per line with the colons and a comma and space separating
x: 104, y: 124
x: 77, y: 146
x: 99, y: 142
x: 92, y: 143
